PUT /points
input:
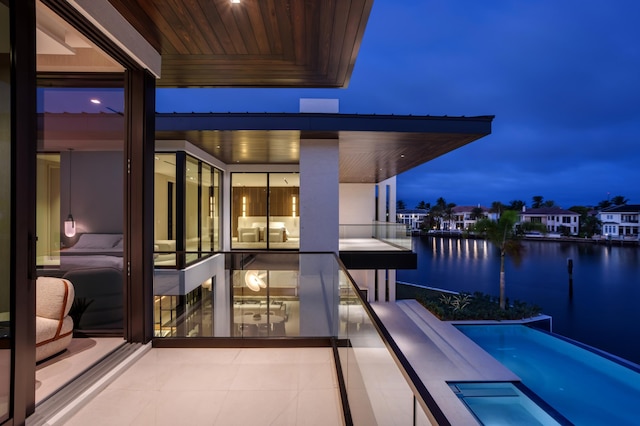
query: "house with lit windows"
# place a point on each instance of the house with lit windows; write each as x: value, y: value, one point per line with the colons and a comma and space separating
x: 190, y: 230
x: 620, y: 221
x: 554, y: 218
x: 412, y: 218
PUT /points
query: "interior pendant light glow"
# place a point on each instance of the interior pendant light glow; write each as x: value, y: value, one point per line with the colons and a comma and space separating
x: 70, y: 224
x: 235, y: 1
x: 254, y: 280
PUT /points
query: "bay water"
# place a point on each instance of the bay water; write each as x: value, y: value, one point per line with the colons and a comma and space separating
x: 603, y: 310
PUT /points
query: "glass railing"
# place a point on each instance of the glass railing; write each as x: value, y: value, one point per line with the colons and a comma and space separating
x: 291, y: 296
x: 249, y: 295
x: 395, y: 234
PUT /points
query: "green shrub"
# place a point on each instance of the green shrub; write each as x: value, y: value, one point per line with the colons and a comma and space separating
x: 476, y: 306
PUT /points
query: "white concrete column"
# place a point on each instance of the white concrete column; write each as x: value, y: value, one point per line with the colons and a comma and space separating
x: 319, y: 232
x: 319, y: 195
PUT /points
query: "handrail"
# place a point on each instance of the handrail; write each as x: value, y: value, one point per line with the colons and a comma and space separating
x: 426, y: 400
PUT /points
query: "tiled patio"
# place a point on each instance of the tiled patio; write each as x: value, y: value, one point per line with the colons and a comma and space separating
x: 292, y: 386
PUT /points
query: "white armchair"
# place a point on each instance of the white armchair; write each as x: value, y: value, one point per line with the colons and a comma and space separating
x: 54, y: 326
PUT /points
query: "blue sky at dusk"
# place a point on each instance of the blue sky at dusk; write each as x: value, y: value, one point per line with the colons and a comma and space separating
x: 561, y: 77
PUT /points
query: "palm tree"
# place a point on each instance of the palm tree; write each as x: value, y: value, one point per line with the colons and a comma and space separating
x: 516, y: 205
x: 537, y: 201
x: 422, y: 205
x: 476, y: 213
x: 400, y: 205
x: 497, y: 207
x: 503, y: 235
x: 449, y: 215
x: 619, y: 200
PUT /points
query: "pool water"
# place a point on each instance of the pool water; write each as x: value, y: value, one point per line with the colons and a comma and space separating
x: 586, y: 388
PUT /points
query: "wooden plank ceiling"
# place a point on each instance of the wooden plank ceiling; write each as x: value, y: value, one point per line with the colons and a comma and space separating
x: 365, y: 157
x: 257, y: 43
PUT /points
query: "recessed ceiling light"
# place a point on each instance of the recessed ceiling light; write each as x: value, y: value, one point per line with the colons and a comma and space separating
x: 235, y: 1
x: 95, y: 101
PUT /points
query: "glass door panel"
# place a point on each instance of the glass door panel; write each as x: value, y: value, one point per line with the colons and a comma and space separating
x: 192, y: 211
x: 207, y: 208
x: 249, y: 226
x: 284, y: 218
x: 164, y: 229
x: 5, y: 213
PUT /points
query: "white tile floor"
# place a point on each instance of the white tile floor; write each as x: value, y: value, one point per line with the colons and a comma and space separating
x: 81, y: 353
x: 283, y: 386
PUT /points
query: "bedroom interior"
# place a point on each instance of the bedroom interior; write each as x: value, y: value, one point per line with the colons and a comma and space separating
x: 265, y: 210
x: 80, y: 171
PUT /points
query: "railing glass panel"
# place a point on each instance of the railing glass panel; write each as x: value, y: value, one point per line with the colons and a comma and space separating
x: 394, y: 234
x: 377, y: 391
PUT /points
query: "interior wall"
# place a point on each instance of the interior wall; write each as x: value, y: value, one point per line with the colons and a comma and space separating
x: 97, y: 185
x: 357, y: 203
x: 48, y: 205
x: 280, y: 202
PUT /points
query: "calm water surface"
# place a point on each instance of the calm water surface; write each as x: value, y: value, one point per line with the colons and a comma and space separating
x: 604, y: 310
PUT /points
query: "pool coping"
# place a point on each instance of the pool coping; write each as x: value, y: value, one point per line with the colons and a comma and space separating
x: 440, y: 354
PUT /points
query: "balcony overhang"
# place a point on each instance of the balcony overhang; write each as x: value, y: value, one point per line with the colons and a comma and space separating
x: 379, y: 259
x: 278, y: 43
x: 372, y: 147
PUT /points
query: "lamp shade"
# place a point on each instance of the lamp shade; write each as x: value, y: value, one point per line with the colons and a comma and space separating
x: 70, y: 226
x: 254, y: 281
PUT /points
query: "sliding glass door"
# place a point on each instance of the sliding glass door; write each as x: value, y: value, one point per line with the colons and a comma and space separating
x: 265, y: 211
x: 5, y: 213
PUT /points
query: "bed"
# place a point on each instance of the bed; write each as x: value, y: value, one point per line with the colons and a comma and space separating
x: 93, y: 250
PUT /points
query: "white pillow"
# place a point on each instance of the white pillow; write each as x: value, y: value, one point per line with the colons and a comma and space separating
x: 98, y: 241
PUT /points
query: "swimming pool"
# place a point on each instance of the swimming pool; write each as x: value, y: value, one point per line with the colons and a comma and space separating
x: 586, y: 388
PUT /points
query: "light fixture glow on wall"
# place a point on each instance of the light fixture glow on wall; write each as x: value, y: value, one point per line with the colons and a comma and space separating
x: 254, y: 280
x: 244, y: 206
x: 70, y: 224
x: 293, y: 206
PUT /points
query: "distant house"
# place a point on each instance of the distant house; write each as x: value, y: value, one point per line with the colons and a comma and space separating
x: 463, y: 217
x: 554, y: 218
x: 413, y: 218
x: 620, y: 221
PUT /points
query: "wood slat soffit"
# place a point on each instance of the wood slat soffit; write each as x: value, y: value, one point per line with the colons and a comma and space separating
x: 257, y: 43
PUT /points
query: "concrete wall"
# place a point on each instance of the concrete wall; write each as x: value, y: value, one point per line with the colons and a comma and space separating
x: 357, y: 203
x: 319, y: 195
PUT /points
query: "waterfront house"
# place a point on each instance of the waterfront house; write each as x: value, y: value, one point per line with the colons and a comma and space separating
x: 463, y: 217
x: 179, y: 217
x: 554, y: 218
x: 620, y: 221
x: 413, y: 218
